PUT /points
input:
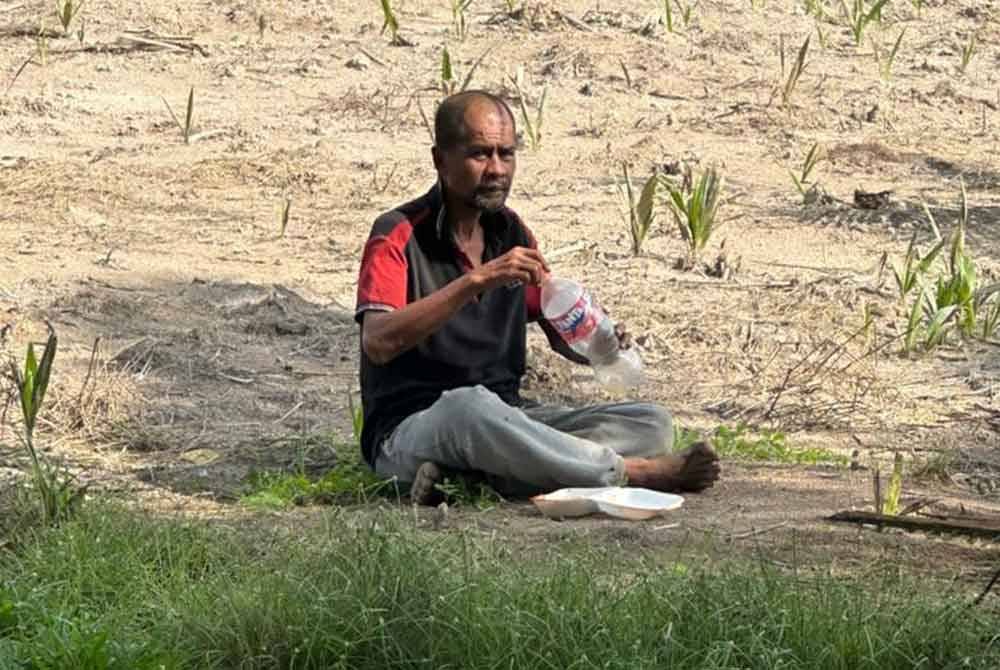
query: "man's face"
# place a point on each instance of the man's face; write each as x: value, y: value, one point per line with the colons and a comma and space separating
x: 479, y: 171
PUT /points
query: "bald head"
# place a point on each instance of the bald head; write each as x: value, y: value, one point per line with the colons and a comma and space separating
x: 450, y: 121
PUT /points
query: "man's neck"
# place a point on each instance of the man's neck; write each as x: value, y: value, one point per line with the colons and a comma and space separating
x: 463, y: 221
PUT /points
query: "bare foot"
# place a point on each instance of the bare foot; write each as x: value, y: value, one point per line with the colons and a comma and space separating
x: 693, y: 469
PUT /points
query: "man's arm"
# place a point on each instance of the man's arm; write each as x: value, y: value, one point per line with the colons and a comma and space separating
x: 386, y: 335
x: 558, y: 344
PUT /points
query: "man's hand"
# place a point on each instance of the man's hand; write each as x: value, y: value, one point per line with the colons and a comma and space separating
x: 520, y: 264
x: 624, y: 337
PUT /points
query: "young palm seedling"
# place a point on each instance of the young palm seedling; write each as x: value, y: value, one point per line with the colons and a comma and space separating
x: 890, y: 505
x: 449, y: 78
x: 286, y: 210
x: 686, y: 11
x: 968, y: 51
x: 640, y: 212
x: 56, y: 495
x: 458, y: 10
x: 67, y: 10
x: 914, y: 267
x: 532, y: 127
x: 185, y: 127
x: 886, y: 61
x: 357, y: 418
x: 802, y: 180
x: 668, y: 16
x: 958, y: 289
x: 695, y: 210
x: 859, y: 16
x: 989, y: 307
x: 793, y: 76
x: 391, y: 23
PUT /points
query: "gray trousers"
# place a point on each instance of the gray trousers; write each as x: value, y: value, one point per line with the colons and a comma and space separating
x: 525, y: 450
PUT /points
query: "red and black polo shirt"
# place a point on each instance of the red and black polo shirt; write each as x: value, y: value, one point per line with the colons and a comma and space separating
x: 411, y: 253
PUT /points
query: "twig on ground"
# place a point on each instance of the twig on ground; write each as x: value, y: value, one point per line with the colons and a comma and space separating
x: 568, y: 249
x: 290, y: 412
x: 576, y: 23
x: 754, y: 532
x: 989, y: 587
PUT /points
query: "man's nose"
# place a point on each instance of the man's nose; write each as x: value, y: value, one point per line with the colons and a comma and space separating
x: 496, y: 165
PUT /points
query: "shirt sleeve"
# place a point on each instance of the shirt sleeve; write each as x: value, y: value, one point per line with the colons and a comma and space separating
x: 382, y: 279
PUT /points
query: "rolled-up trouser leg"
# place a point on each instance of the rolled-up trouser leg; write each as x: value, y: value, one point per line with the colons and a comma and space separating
x: 472, y: 429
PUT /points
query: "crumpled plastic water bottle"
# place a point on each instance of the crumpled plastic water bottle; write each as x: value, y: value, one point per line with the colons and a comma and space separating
x: 585, y: 327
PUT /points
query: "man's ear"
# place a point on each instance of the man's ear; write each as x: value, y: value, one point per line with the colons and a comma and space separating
x: 438, y: 157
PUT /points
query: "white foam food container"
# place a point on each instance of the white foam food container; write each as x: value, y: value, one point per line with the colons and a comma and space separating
x: 620, y: 502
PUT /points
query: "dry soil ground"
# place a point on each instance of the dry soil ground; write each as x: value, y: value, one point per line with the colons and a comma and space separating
x: 226, y: 346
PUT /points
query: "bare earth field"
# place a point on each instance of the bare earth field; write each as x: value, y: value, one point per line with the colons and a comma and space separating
x: 224, y: 346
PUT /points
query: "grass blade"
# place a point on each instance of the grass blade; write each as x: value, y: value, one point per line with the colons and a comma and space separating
x: 188, y: 116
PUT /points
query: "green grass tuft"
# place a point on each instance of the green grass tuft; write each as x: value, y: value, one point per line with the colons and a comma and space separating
x: 349, y: 481
x: 741, y: 443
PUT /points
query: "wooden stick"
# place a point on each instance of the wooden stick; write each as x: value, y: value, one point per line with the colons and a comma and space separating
x: 754, y: 532
x: 987, y: 527
x: 576, y: 23
x: 979, y: 598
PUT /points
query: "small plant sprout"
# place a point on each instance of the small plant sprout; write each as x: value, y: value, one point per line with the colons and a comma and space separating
x: 511, y: 6
x: 448, y: 83
x: 449, y: 78
x: 391, y: 23
x: 890, y: 505
x: 793, y: 76
x: 802, y: 179
x: 990, y: 308
x: 814, y: 8
x: 56, y: 495
x: 968, y: 51
x: 42, y: 46
x: 820, y: 35
x: 640, y: 212
x: 286, y: 210
x: 458, y: 10
x: 357, y: 418
x: 686, y: 11
x: 954, y: 300
x: 668, y: 16
x: 886, y: 61
x: 67, y: 10
x: 532, y: 128
x: 859, y: 16
x: 185, y: 127
x: 958, y: 289
x: 695, y: 210
x: 914, y: 267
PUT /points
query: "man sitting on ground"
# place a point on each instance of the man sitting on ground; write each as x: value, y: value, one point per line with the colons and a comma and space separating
x: 447, y: 285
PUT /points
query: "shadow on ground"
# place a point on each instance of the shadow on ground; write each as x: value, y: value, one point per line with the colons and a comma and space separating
x: 223, y: 378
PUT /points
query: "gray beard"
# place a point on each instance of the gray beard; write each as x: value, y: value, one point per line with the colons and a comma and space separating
x: 491, y: 203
